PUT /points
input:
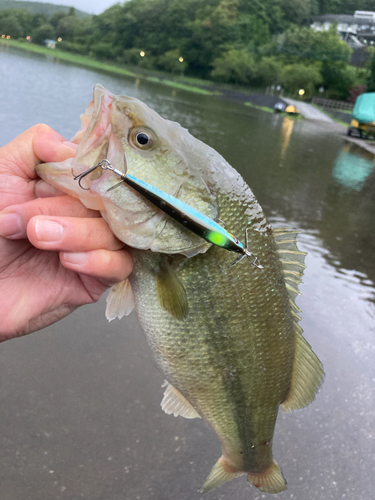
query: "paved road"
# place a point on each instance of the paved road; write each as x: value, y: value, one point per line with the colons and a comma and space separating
x: 308, y: 111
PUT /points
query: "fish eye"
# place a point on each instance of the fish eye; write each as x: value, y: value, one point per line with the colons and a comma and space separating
x: 142, y: 138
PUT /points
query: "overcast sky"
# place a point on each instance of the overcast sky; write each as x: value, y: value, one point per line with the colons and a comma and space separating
x: 91, y: 6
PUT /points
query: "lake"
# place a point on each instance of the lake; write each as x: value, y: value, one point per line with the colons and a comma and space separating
x: 80, y: 401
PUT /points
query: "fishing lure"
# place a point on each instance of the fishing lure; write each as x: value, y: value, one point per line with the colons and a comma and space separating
x: 186, y: 215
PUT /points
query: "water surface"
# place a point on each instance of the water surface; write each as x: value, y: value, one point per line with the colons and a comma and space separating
x: 80, y: 401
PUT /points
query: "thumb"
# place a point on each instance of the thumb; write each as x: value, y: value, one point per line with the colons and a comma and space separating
x: 38, y: 144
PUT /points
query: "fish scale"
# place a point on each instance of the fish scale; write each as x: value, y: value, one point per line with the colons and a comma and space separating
x: 226, y: 338
x: 237, y: 338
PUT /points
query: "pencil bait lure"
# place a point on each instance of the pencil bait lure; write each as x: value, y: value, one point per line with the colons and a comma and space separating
x: 186, y: 215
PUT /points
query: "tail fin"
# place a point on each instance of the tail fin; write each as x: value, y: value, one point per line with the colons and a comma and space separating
x: 269, y: 481
x: 220, y: 473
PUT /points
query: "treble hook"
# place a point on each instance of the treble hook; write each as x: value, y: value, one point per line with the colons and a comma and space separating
x: 104, y: 164
x: 246, y: 253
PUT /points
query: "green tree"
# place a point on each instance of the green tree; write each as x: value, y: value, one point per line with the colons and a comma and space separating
x: 252, y: 31
x: 240, y: 41
x: 84, y: 32
x: 298, y: 11
x: 15, y: 22
x: 269, y: 11
x: 268, y: 71
x: 234, y: 66
x: 65, y: 27
x: 170, y: 61
x: 102, y: 50
x: 9, y: 25
x: 39, y: 20
x: 43, y: 32
x: 305, y: 44
x: 55, y: 19
x: 338, y: 78
x: 242, y: 67
x: 299, y: 76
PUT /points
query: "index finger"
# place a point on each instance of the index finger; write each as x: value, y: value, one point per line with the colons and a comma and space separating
x: 38, y: 144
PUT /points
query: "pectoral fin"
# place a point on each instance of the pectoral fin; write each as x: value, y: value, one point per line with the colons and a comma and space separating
x: 170, y: 291
x: 120, y: 301
x: 175, y: 404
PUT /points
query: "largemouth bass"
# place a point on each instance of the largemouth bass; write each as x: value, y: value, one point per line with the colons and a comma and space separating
x: 226, y: 338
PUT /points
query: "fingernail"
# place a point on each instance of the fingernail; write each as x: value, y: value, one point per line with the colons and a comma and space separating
x: 48, y: 230
x: 78, y: 258
x: 10, y: 225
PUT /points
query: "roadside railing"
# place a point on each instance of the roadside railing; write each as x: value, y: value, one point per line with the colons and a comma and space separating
x: 331, y: 103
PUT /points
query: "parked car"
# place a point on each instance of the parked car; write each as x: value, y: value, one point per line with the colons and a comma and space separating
x: 363, y: 117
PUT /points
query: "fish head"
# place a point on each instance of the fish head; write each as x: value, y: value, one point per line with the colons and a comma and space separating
x: 138, y: 141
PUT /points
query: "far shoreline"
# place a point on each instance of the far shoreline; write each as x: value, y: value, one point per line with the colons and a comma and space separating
x: 256, y: 99
x: 88, y: 62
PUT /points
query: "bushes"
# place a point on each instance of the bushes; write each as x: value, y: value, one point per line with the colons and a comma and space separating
x: 338, y: 79
x: 234, y: 66
x: 269, y: 70
x: 299, y: 76
x: 133, y: 57
x: 74, y: 48
x: 40, y: 34
x: 242, y: 67
x: 102, y: 50
x: 10, y: 26
x: 170, y: 61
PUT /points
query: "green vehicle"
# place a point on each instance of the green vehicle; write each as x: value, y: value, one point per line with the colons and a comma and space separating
x: 363, y: 117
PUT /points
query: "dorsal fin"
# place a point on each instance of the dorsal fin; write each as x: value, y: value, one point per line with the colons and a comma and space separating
x: 292, y: 261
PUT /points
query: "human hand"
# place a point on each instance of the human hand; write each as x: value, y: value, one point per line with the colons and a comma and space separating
x: 55, y: 254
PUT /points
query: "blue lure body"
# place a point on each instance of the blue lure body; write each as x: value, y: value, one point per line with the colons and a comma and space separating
x: 186, y: 215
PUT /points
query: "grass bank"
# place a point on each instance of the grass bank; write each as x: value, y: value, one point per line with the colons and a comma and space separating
x: 262, y: 108
x: 67, y: 56
x: 178, y: 85
x: 89, y: 62
x: 271, y: 110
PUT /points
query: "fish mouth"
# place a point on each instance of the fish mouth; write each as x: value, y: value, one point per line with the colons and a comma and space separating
x: 95, y: 138
x: 103, y: 136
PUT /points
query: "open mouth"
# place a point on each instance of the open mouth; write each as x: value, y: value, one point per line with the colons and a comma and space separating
x: 95, y: 138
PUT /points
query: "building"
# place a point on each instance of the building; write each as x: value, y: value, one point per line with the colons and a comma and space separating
x: 51, y: 44
x: 357, y: 30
